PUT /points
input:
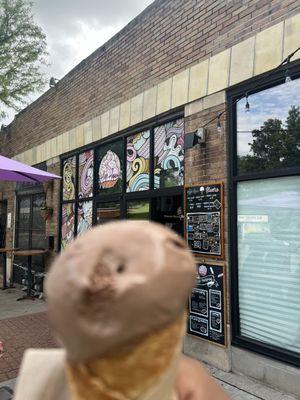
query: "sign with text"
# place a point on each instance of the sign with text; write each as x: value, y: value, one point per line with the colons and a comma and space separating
x: 207, y: 304
x: 204, y: 218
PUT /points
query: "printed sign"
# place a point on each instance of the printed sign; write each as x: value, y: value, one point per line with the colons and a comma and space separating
x: 206, y: 305
x: 204, y: 219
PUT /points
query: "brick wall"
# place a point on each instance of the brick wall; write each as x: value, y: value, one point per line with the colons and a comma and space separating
x: 169, y: 36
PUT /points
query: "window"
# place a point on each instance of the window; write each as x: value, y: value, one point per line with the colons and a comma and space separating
x: 265, y: 220
x: 136, y: 176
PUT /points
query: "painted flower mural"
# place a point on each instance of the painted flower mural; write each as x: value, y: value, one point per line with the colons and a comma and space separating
x: 138, y: 155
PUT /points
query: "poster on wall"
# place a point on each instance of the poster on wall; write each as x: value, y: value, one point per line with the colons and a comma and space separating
x: 207, y: 309
x: 204, y: 219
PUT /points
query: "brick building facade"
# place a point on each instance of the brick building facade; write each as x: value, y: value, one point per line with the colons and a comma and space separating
x: 175, y: 60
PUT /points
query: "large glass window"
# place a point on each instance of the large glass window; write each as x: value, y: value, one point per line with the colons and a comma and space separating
x: 138, y: 162
x: 269, y: 260
x: 266, y: 221
x: 268, y: 136
x: 109, y: 168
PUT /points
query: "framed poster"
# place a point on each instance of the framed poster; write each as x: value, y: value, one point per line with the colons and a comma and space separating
x: 207, y: 304
x: 204, y: 205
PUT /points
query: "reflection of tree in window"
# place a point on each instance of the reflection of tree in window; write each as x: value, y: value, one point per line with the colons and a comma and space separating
x: 275, y: 145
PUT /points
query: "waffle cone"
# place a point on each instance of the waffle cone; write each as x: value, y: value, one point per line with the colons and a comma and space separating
x: 145, y: 371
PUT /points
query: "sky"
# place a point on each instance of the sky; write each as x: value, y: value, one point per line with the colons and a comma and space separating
x: 271, y: 103
x: 75, y: 28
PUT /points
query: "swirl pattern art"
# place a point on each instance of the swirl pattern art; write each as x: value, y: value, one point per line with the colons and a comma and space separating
x: 138, y: 155
x: 67, y: 227
x: 69, y: 173
x: 169, y: 154
x: 85, y: 177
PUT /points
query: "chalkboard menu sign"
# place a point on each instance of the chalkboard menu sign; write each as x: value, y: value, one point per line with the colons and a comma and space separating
x: 207, y: 304
x: 204, y: 219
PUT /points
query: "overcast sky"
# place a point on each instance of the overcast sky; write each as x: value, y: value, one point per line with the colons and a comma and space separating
x: 75, y: 28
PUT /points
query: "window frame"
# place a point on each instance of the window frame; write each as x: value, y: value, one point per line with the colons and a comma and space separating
x: 238, y: 340
x: 123, y: 197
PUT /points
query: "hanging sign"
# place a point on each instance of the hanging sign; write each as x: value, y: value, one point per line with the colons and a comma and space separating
x: 204, y: 219
x: 207, y: 311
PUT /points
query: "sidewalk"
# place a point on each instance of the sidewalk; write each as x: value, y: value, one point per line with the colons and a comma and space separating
x: 23, y: 324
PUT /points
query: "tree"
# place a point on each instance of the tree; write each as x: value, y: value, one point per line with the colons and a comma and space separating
x: 22, y: 52
x: 275, y: 145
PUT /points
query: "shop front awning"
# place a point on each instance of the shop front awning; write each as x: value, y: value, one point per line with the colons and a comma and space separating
x: 11, y: 170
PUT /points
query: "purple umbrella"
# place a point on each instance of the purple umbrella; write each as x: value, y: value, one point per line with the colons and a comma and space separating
x: 11, y: 170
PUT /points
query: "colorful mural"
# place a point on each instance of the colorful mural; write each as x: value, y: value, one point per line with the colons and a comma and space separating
x: 67, y: 224
x: 138, y: 155
x: 109, y: 166
x: 84, y: 217
x: 85, y: 177
x: 69, y: 173
x: 169, y: 154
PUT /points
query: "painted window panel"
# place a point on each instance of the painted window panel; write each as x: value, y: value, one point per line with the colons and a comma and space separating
x: 85, y: 175
x: 108, y: 211
x: 67, y: 224
x: 268, y: 136
x: 84, y: 217
x: 69, y: 174
x: 138, y: 162
x: 109, y: 167
x: 138, y: 209
x: 169, y: 154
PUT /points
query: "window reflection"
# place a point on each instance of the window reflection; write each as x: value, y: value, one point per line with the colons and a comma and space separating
x: 268, y: 136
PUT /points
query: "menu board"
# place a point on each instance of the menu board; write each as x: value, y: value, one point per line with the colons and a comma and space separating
x: 206, y: 304
x: 204, y: 219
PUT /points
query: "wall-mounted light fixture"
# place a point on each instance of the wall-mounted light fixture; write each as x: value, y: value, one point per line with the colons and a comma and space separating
x: 53, y: 82
x: 191, y: 139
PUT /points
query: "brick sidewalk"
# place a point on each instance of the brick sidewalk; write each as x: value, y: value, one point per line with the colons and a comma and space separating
x: 17, y: 335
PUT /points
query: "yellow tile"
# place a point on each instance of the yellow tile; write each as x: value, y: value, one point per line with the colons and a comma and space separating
x: 87, y: 132
x: 136, y: 109
x: 72, y: 139
x: 105, y: 124
x: 65, y: 142
x: 163, y: 102
x: 198, y: 80
x: 43, y: 151
x: 114, y: 116
x: 149, y: 103
x: 34, y: 150
x: 268, y: 49
x: 96, y: 128
x: 79, y: 135
x: 193, y: 108
x: 59, y: 141
x: 39, y: 153
x: 218, y: 74
x: 214, y: 100
x: 48, y: 150
x: 242, y: 61
x: 53, y: 147
x: 125, y: 115
x: 180, y: 88
x: 292, y: 36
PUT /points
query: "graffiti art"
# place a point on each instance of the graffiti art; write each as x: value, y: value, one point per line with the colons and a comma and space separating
x: 138, y: 155
x: 84, y: 217
x: 169, y: 154
x: 69, y: 173
x: 85, y: 176
x: 67, y: 224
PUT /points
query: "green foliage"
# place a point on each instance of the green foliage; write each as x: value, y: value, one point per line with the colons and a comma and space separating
x: 22, y: 52
x: 275, y: 145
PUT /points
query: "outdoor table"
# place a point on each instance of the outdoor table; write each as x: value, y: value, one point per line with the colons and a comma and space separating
x: 30, y: 253
x: 3, y: 251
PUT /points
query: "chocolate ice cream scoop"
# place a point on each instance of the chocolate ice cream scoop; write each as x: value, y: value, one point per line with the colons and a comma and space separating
x: 115, y: 284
